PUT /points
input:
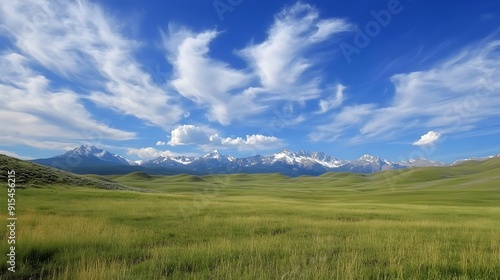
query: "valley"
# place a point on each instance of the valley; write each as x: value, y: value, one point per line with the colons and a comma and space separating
x: 431, y: 222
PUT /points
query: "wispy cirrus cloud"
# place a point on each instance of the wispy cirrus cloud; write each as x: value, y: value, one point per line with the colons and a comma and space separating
x: 281, y: 61
x: 455, y: 95
x: 348, y: 118
x: 14, y: 155
x: 78, y: 41
x: 278, y: 68
x: 85, y: 55
x: 333, y: 102
x: 36, y: 114
x: 204, y: 80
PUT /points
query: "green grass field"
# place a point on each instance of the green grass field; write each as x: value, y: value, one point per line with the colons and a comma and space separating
x: 427, y: 223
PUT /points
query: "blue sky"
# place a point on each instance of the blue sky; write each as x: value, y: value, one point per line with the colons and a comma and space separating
x: 396, y: 79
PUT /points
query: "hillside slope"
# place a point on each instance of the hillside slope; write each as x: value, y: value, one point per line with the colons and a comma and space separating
x: 29, y: 174
x: 470, y: 183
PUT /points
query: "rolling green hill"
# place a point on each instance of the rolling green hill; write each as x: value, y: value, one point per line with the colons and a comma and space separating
x: 421, y: 223
x: 34, y: 175
x: 466, y: 183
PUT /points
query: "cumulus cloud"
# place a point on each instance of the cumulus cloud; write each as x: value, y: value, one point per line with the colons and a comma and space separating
x: 161, y: 143
x: 251, y: 142
x: 430, y: 138
x: 190, y: 134
x: 455, y: 95
x: 149, y: 153
x: 210, y: 138
x: 79, y: 42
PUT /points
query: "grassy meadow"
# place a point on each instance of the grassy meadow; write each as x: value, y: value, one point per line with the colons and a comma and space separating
x: 427, y: 223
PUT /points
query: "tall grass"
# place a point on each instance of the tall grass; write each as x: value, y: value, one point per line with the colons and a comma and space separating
x: 96, y: 234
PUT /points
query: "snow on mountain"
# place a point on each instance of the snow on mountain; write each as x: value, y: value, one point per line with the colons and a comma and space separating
x: 184, y: 160
x: 321, y: 159
x: 249, y: 161
x: 297, y: 162
x: 285, y: 156
x: 285, y: 162
x: 368, y: 158
x: 167, y: 161
x: 215, y: 154
x: 162, y: 161
x: 368, y: 164
x: 211, y: 161
x: 89, y: 159
x: 473, y: 159
x: 421, y: 162
x: 86, y: 151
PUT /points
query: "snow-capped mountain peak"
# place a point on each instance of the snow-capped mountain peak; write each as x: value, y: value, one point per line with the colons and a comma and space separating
x: 287, y: 151
x: 369, y: 158
x: 87, y: 151
x: 472, y: 159
x: 215, y: 154
x: 420, y: 162
x: 284, y: 161
x: 284, y: 155
x: 183, y: 159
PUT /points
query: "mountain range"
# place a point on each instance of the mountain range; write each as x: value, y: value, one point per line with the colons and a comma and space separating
x: 90, y: 159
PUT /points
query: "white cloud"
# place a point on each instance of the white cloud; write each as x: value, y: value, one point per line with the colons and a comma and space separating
x: 209, y: 138
x: 161, y: 143
x: 14, y: 155
x: 348, y: 117
x: 206, y: 81
x: 326, y: 105
x: 35, y: 114
x: 278, y: 67
x: 430, y: 138
x: 190, y: 134
x: 251, y: 142
x: 453, y: 96
x: 47, y: 143
x: 79, y: 42
x: 149, y: 153
x: 328, y: 27
x: 280, y: 61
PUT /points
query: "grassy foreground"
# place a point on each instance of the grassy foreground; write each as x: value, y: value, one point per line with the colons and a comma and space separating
x: 430, y: 223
